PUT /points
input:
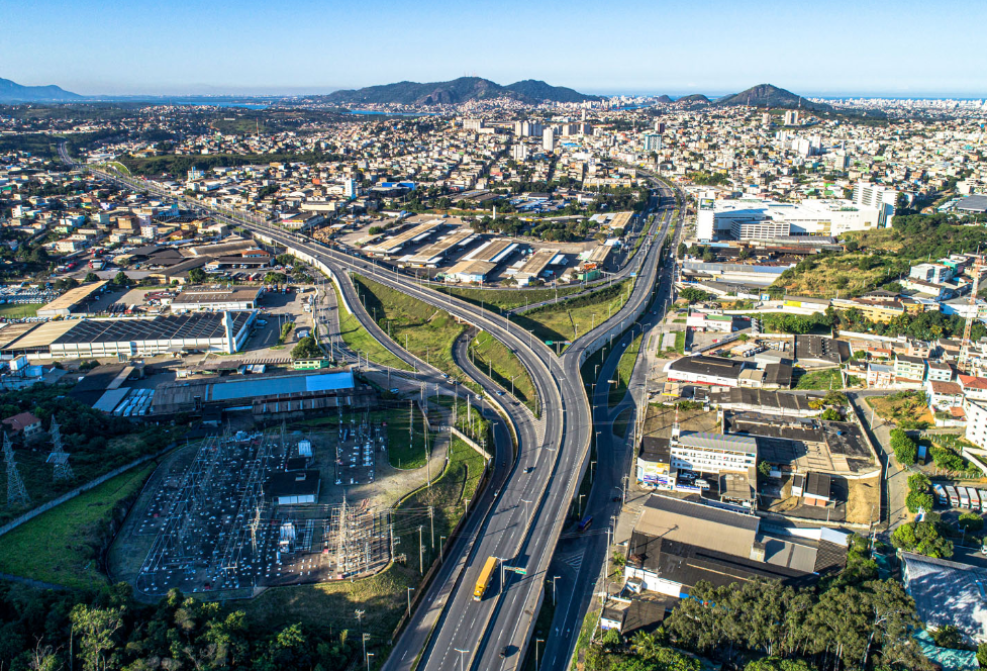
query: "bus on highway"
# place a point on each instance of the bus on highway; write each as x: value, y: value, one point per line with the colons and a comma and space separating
x: 585, y: 522
x: 484, y: 580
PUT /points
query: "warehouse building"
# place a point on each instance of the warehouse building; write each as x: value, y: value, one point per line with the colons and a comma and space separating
x: 481, y: 262
x: 266, y: 397
x: 676, y: 543
x: 411, y: 236
x: 72, y: 300
x: 97, y: 338
x: 216, y: 299
x: 444, y: 248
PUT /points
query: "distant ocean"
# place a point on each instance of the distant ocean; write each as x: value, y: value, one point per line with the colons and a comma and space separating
x: 249, y: 106
x: 380, y: 113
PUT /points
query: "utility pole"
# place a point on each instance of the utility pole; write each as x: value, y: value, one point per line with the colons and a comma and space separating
x: 421, y: 552
x: 431, y: 519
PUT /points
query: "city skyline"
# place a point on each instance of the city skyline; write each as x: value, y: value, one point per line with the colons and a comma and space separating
x: 307, y: 48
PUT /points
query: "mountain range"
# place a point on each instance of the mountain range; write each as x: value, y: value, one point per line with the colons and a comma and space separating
x: 464, y: 89
x: 767, y: 95
x: 12, y: 92
x: 461, y: 90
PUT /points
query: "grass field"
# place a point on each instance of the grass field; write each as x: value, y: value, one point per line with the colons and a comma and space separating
x: 421, y: 329
x: 904, y: 408
x: 61, y: 546
x: 120, y: 167
x: 826, y: 379
x: 834, y: 275
x: 20, y: 311
x: 359, y: 339
x: 497, y: 360
x: 567, y: 320
x: 406, y: 438
x: 499, y: 300
x: 37, y: 474
x: 680, y: 341
x: 623, y: 373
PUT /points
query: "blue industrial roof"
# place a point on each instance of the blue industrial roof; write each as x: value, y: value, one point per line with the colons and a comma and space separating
x: 269, y: 386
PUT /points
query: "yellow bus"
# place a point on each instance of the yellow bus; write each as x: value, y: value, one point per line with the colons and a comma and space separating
x: 484, y: 580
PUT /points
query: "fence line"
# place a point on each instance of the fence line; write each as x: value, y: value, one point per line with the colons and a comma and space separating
x: 68, y: 496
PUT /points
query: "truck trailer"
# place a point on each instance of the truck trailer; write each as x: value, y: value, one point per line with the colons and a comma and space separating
x: 483, y: 582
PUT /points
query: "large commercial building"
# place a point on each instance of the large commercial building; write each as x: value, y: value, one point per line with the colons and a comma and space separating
x: 215, y: 299
x: 713, y: 453
x: 97, y: 338
x: 676, y: 543
x: 73, y: 301
x: 752, y: 219
x: 267, y: 397
x: 878, y: 196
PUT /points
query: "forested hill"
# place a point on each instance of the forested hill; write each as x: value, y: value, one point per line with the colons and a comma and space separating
x: 457, y: 91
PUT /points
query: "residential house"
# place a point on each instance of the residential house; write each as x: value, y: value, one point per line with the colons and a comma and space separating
x: 940, y: 371
x: 943, y: 395
x: 880, y: 376
x: 974, y: 388
x: 909, y: 369
x: 25, y: 423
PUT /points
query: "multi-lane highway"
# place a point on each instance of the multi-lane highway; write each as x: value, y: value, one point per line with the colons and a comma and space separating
x: 522, y: 523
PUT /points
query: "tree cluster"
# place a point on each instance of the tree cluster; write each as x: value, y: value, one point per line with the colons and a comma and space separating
x: 904, y: 448
x: 924, y: 538
x: 851, y: 619
x: 307, y: 348
x: 694, y: 295
x: 109, y: 631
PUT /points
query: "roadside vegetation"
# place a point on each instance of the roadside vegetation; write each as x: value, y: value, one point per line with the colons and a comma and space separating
x: 497, y: 360
x: 359, y: 340
x: 502, y: 300
x: 424, y: 331
x: 625, y: 367
x: 621, y: 423
x: 567, y: 320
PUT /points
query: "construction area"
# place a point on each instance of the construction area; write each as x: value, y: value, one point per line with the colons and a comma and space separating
x: 247, y: 511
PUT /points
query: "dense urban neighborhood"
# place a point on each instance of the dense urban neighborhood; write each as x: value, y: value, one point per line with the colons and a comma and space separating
x: 463, y: 375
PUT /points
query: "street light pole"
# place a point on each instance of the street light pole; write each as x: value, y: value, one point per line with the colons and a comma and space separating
x: 461, y: 653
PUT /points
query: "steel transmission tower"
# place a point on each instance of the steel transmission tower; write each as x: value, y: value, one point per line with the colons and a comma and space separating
x: 16, y: 492
x: 58, y: 456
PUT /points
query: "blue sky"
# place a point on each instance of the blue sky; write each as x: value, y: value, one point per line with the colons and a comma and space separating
x: 904, y: 48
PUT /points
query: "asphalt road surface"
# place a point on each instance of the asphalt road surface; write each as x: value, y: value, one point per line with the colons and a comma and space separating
x: 524, y: 520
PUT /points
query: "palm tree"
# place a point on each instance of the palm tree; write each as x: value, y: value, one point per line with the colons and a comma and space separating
x: 645, y: 644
